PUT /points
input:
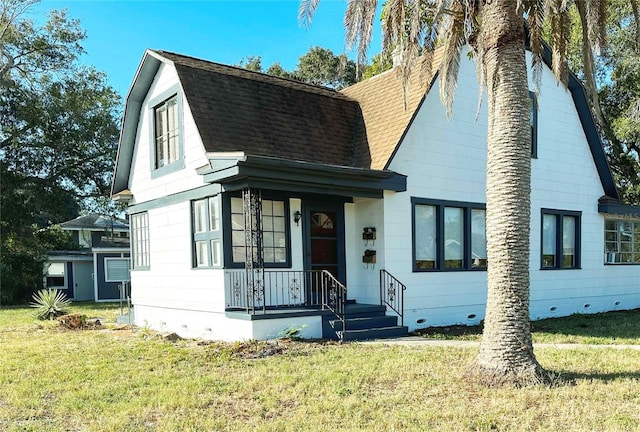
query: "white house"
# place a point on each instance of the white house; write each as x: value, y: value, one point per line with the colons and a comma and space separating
x: 261, y: 205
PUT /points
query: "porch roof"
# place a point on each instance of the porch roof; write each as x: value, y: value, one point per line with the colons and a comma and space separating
x: 239, y: 170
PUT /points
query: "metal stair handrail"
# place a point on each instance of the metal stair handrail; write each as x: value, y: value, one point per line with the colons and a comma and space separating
x: 334, y: 298
x: 392, y: 293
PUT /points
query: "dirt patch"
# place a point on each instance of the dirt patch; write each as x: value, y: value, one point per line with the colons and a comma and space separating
x: 452, y: 330
x: 78, y: 322
x: 258, y: 349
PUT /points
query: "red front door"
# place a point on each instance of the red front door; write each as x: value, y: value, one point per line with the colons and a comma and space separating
x: 324, y: 241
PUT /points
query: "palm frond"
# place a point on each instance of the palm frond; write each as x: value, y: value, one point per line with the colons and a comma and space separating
x: 393, y: 17
x: 535, y: 17
x: 588, y: 61
x: 452, y: 40
x: 306, y: 11
x: 594, y: 19
x: 358, y: 22
x: 560, y: 28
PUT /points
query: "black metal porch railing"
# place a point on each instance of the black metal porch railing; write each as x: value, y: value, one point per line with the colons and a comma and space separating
x: 392, y: 294
x: 279, y: 289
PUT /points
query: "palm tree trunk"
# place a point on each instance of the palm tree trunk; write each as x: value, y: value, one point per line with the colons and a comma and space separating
x: 506, y: 351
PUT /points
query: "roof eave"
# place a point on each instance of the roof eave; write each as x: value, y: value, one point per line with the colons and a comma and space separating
x: 302, y: 176
x: 142, y: 81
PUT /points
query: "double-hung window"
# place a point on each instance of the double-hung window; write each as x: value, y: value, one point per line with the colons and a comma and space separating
x: 167, y: 147
x: 140, y: 252
x: 560, y: 239
x: 206, y: 233
x: 275, y: 233
x: 622, y: 241
x: 448, y: 235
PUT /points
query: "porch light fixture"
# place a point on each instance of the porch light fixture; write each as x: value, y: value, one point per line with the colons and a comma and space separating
x: 296, y: 217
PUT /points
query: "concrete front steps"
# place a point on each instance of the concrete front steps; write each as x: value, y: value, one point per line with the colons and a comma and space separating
x: 363, y: 322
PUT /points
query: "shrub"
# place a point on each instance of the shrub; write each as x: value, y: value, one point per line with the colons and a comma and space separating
x: 50, y: 303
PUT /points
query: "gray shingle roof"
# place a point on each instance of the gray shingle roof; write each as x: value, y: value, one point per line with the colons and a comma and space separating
x: 239, y: 110
x: 96, y: 222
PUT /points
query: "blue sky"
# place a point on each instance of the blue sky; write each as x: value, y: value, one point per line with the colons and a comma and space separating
x: 118, y: 32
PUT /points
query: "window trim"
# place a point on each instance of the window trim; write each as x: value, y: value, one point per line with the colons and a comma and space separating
x: 440, y: 206
x: 534, y: 126
x: 106, y: 272
x: 152, y: 105
x: 64, y: 276
x: 559, y: 214
x: 208, y: 235
x: 227, y: 244
x: 633, y: 243
x: 147, y: 241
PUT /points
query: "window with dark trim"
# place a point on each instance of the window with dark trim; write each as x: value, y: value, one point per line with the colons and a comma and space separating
x: 448, y: 235
x: 166, y: 135
x: 167, y: 147
x: 56, y: 275
x: 207, y: 241
x: 622, y: 241
x: 140, y: 252
x: 560, y: 239
x: 275, y: 234
x: 533, y: 123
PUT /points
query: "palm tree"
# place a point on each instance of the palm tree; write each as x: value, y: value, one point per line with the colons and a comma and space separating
x: 495, y: 31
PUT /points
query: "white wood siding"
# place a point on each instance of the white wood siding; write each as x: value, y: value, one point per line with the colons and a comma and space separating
x: 171, y: 281
x: 446, y: 159
x: 141, y: 184
x: 363, y: 280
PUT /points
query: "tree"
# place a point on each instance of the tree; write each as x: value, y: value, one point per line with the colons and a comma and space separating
x: 58, y: 138
x: 276, y: 69
x: 252, y: 63
x: 379, y: 63
x: 620, y: 97
x: 495, y: 32
x: 319, y: 66
x: 614, y: 89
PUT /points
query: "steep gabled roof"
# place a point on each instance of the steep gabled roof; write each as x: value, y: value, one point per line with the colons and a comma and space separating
x: 239, y: 110
x: 388, y: 109
x: 361, y: 126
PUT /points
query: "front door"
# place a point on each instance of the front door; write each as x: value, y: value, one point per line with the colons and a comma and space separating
x: 324, y: 238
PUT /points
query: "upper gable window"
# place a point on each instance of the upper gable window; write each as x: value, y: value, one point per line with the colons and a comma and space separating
x: 166, y: 132
x: 167, y: 136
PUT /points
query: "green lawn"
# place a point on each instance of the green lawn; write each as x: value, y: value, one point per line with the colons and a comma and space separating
x: 116, y: 379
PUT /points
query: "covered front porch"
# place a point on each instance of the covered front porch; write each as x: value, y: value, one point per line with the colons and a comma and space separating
x: 293, y: 242
x: 315, y: 297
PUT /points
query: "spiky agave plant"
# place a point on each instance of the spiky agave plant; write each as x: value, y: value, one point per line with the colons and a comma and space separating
x: 50, y: 303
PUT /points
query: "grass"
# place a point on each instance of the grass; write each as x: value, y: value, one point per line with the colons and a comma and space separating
x: 119, y: 379
x: 610, y: 328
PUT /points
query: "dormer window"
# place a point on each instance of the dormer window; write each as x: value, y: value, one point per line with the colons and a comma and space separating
x: 166, y: 132
x: 166, y: 135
